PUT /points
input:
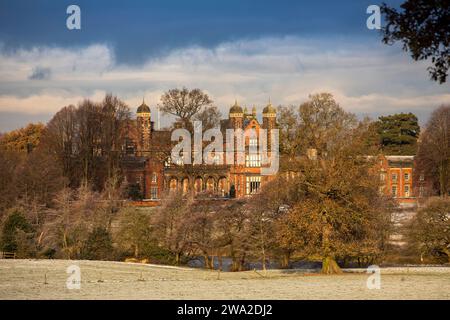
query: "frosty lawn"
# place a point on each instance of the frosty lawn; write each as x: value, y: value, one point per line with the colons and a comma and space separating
x: 46, y: 279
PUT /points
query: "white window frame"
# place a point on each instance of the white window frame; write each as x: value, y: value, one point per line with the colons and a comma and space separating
x: 253, y: 160
x: 394, y: 176
x: 253, y: 184
x: 407, y: 190
x: 154, y: 192
x: 253, y: 142
x: 394, y: 194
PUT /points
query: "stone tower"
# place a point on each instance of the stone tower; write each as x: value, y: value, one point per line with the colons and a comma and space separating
x: 269, y: 121
x: 236, y: 116
x: 144, y: 126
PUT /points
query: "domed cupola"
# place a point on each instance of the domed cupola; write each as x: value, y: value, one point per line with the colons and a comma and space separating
x: 143, y: 108
x: 236, y: 110
x: 269, y: 110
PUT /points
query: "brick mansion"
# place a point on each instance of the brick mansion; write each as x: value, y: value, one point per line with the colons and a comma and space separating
x: 147, y: 163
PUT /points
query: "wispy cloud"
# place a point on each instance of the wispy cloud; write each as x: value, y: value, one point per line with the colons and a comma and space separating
x: 366, y: 79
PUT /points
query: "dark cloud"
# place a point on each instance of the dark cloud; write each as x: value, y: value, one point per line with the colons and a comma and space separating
x: 139, y: 29
x: 40, y: 73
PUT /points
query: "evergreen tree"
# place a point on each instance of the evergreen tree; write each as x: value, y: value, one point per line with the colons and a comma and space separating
x: 398, y: 134
x: 98, y: 246
x: 14, y: 223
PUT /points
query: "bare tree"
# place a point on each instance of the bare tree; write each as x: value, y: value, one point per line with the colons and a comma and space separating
x: 88, y: 139
x: 69, y: 222
x: 41, y: 177
x: 231, y: 233
x: 429, y: 230
x: 10, y: 162
x: 170, y: 225
x: 184, y: 104
x: 433, y: 157
x: 324, y: 123
x: 60, y: 139
x: 115, y: 116
x: 209, y: 117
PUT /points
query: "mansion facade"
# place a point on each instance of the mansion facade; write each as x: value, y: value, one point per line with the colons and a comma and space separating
x: 147, y: 163
x: 148, y: 168
x: 396, y: 177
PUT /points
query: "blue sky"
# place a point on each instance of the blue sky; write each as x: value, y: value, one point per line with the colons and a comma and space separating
x: 248, y: 50
x: 139, y: 29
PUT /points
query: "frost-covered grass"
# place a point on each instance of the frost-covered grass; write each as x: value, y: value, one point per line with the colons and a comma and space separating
x: 25, y: 279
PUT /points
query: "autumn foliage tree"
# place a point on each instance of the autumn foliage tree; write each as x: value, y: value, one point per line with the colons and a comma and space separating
x: 334, y: 209
x: 323, y: 205
x: 28, y: 172
x: 24, y: 139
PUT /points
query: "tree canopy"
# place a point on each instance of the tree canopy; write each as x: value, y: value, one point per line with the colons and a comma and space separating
x: 433, y: 156
x: 23, y: 139
x: 429, y: 230
x: 423, y: 28
x: 184, y: 104
x: 398, y: 134
x: 333, y: 207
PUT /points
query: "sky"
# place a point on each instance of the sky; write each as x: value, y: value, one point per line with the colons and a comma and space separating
x: 251, y: 51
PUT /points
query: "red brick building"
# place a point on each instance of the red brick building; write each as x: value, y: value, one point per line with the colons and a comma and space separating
x: 148, y: 166
x: 396, y: 175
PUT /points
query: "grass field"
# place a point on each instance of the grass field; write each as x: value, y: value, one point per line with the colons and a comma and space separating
x: 46, y: 279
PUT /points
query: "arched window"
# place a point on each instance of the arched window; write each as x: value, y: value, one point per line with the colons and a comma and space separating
x: 198, y: 185
x: 173, y: 185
